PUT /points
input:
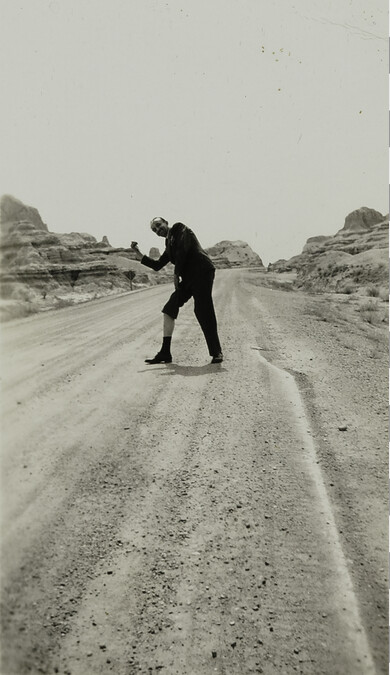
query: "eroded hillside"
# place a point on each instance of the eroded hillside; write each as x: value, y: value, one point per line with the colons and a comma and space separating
x: 42, y: 270
x: 354, y: 258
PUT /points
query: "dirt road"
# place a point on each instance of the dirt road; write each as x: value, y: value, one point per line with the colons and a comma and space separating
x: 193, y: 519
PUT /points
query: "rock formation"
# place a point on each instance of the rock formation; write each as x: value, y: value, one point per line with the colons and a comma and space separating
x: 357, y: 255
x: 14, y: 212
x: 46, y: 269
x: 361, y: 220
x: 42, y: 269
x: 234, y: 254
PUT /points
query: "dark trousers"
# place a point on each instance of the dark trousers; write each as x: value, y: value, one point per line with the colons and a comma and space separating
x: 201, y: 290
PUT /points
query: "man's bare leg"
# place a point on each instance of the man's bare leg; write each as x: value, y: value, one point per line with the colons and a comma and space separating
x: 168, y: 326
x: 164, y: 355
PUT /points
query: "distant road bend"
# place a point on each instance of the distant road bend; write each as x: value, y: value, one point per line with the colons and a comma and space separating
x: 185, y: 518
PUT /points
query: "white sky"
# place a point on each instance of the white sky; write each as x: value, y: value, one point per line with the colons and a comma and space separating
x: 261, y: 120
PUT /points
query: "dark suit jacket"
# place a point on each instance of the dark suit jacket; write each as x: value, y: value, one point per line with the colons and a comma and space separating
x: 183, y: 249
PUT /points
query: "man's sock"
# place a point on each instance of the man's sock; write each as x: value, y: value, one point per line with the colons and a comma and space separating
x: 166, y: 345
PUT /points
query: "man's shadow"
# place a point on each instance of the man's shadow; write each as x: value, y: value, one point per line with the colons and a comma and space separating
x: 187, y: 371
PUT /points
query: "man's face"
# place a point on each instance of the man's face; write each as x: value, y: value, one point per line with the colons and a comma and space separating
x: 160, y: 228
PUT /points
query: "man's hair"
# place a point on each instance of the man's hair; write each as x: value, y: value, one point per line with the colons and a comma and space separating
x: 157, y: 221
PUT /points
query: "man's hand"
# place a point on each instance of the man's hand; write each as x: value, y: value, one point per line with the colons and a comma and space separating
x: 176, y: 281
x: 134, y: 247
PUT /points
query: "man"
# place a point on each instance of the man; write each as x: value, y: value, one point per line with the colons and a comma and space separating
x: 193, y: 277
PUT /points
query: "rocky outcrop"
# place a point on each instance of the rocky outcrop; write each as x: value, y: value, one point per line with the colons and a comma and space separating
x: 357, y: 255
x: 14, y: 212
x: 361, y: 220
x: 46, y: 269
x: 234, y: 254
x: 42, y: 269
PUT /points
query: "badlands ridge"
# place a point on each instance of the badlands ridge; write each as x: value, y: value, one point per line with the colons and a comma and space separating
x: 43, y: 270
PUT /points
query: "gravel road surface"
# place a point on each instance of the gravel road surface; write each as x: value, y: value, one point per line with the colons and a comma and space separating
x: 193, y: 518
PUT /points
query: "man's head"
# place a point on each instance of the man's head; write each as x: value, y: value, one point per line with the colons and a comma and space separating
x: 159, y: 226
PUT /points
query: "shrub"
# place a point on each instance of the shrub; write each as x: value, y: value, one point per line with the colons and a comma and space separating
x: 384, y: 294
x: 63, y: 302
x: 372, y: 291
x: 356, y: 273
x: 348, y: 289
x: 369, y: 306
x: 369, y: 312
x: 7, y: 289
x: 17, y: 310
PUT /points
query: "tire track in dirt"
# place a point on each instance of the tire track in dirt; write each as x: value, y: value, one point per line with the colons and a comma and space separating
x: 347, y: 600
x: 341, y: 380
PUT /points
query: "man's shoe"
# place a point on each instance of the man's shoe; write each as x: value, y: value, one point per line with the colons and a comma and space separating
x: 218, y: 358
x: 160, y: 358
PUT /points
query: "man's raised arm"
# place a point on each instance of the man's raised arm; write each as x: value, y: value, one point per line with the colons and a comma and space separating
x: 155, y: 264
x: 149, y: 262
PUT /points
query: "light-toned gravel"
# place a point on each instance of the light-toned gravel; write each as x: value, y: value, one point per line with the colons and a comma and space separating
x: 174, y: 518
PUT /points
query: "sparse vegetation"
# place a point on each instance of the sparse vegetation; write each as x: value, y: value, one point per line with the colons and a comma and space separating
x: 282, y: 281
x: 7, y: 289
x: 63, y: 302
x: 372, y: 291
x: 373, y: 312
x: 16, y: 310
x: 322, y: 311
x: 348, y: 289
x: 369, y: 305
